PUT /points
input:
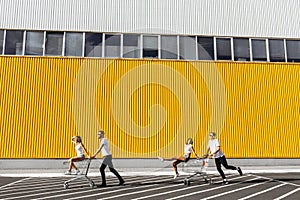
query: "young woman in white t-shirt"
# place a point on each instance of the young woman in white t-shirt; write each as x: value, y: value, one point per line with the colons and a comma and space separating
x: 215, y: 152
x: 79, y: 147
x: 188, y: 150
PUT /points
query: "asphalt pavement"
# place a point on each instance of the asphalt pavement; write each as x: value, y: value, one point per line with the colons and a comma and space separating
x: 257, y: 182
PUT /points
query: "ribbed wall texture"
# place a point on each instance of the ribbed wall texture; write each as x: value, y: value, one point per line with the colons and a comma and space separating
x: 147, y: 107
x: 253, y: 18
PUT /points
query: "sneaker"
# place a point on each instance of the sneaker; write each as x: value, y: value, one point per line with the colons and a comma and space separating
x: 160, y: 158
x: 225, y: 182
x: 77, y: 171
x: 67, y: 173
x: 122, y: 182
x: 176, y: 175
x: 102, y: 185
x: 240, y: 171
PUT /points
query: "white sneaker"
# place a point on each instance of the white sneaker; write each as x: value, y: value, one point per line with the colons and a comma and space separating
x: 160, y: 158
x: 176, y: 175
x: 77, y: 171
x: 67, y: 173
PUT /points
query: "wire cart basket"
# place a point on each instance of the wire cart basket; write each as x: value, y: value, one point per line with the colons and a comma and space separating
x: 199, y: 167
x: 84, y: 166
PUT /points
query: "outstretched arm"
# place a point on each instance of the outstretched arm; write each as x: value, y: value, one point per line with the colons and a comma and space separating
x: 195, y: 152
x: 85, y: 149
x: 217, y: 149
x: 207, y: 152
x: 98, y: 150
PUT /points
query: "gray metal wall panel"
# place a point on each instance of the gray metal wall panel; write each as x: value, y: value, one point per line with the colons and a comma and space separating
x: 256, y: 18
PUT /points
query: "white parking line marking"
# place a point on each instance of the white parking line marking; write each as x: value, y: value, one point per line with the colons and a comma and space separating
x: 215, y: 188
x: 297, y: 185
x: 81, y: 192
x: 148, y: 190
x: 236, y: 190
x: 108, y: 192
x: 168, y: 192
x: 261, y: 192
x: 287, y: 194
x: 14, y: 182
x: 34, y: 186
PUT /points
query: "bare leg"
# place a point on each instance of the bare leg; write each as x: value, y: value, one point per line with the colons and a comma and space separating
x: 72, y: 165
x: 176, y: 162
x: 174, y: 158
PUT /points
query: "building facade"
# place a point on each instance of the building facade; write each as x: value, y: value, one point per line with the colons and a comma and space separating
x: 151, y: 73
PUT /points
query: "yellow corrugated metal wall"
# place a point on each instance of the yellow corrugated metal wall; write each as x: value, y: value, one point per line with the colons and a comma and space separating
x: 147, y: 107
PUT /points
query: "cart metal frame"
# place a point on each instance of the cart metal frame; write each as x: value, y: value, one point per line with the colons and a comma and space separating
x: 203, y: 162
x: 84, y: 168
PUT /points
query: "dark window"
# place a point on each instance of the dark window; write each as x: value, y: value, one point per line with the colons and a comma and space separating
x: 34, y: 43
x: 112, y: 45
x: 293, y: 50
x: 14, y: 42
x: 73, y: 45
x: 224, y: 49
x: 131, y: 46
x: 205, y: 48
x: 54, y: 42
x: 259, y: 52
x: 1, y: 40
x: 93, y: 45
x: 169, y: 47
x: 150, y: 47
x: 276, y: 49
x: 187, y: 47
x: 241, y: 49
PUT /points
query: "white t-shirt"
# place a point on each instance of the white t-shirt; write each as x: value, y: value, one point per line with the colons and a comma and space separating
x: 188, y: 148
x: 105, y: 149
x: 79, y: 151
x: 213, y: 144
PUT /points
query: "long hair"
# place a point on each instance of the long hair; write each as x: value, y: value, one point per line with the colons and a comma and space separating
x: 189, y: 141
x: 79, y: 139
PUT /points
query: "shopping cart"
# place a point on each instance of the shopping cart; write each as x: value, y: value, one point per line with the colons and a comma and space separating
x: 83, y: 166
x: 199, y: 167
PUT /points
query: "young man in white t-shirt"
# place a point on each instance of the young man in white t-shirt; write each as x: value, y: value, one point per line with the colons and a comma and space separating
x: 107, y: 159
x: 215, y: 152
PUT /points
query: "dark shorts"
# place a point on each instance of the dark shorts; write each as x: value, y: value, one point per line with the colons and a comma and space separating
x: 186, y: 157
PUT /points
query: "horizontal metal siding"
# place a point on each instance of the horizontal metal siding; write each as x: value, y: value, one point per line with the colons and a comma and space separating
x: 254, y: 18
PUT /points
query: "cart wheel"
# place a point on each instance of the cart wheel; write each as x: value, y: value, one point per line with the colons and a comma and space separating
x: 92, y: 185
x: 184, y: 182
x: 188, y: 183
x: 66, y: 185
